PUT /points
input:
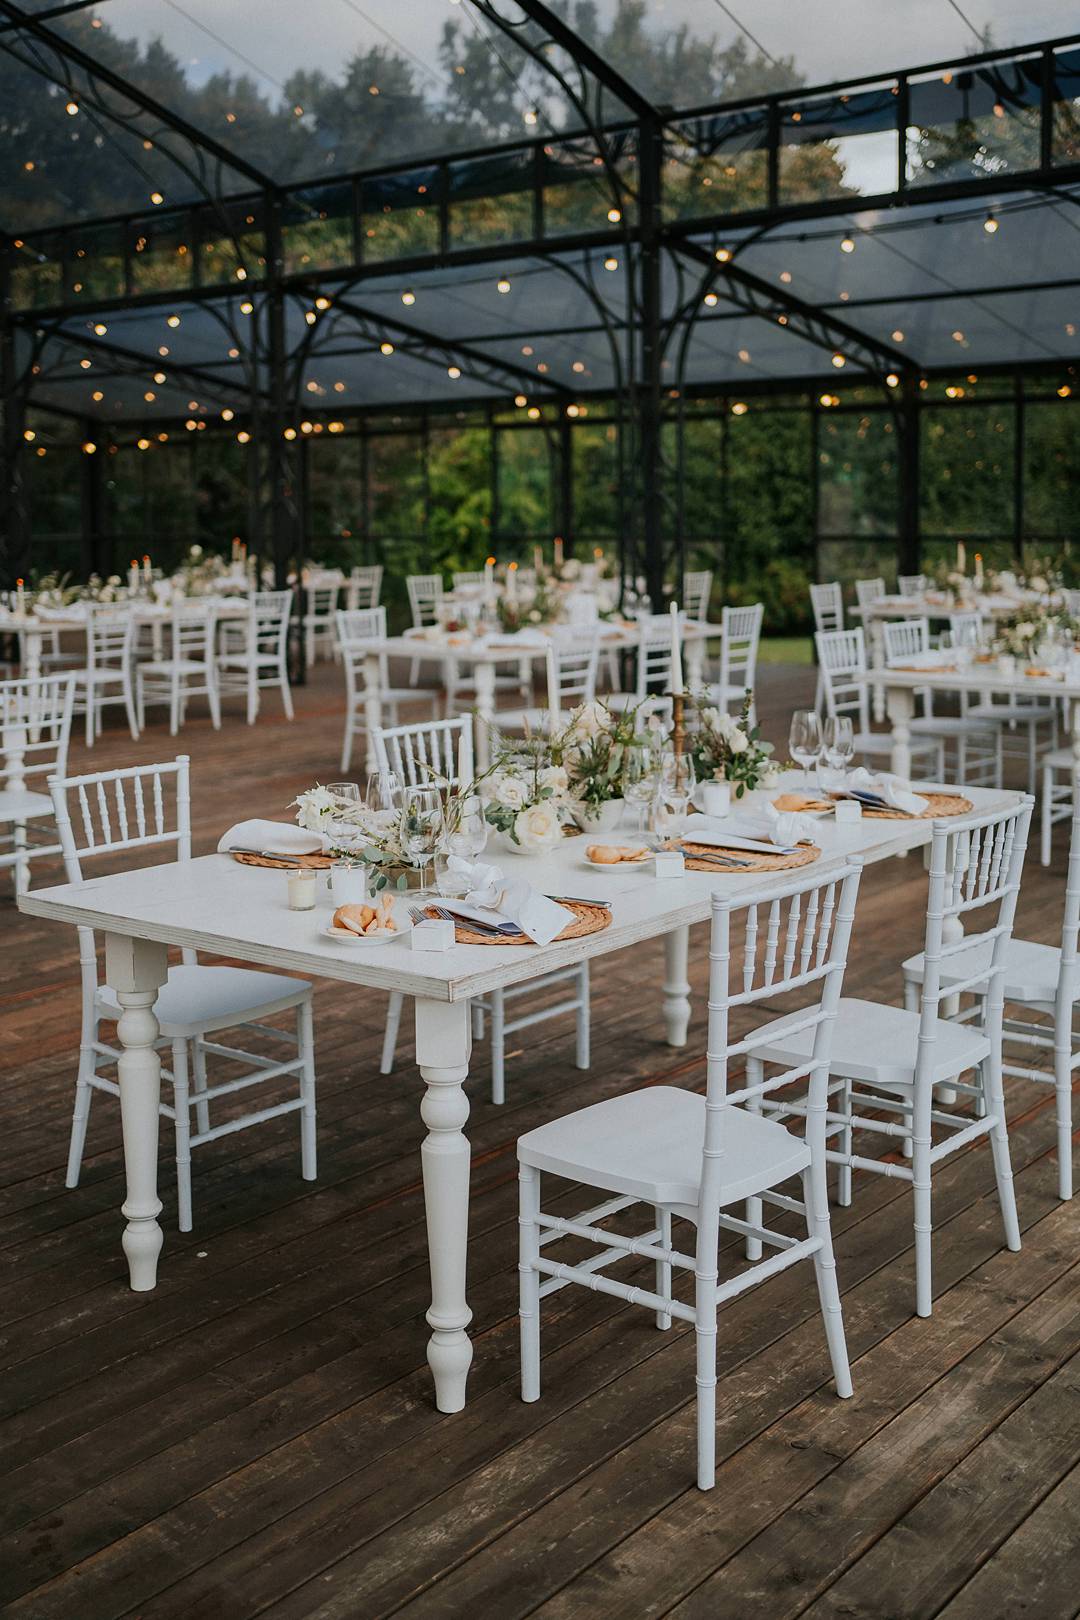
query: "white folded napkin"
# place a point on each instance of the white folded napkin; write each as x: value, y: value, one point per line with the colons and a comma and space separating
x: 891, y: 790
x: 503, y: 899
x: 272, y: 838
x: 774, y: 831
x: 527, y: 636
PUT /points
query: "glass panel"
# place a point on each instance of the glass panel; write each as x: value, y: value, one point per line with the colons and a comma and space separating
x: 459, y: 508
x: 396, y: 486
x: 231, y: 238
x: 335, y: 499
x: 717, y: 164
x: 96, y: 265
x: 858, y: 484
x: 1051, y: 456
x: 578, y: 191
x: 491, y: 199
x: 525, y: 505
x: 161, y: 253
x: 839, y: 145
x: 973, y: 124
x: 768, y: 524
x: 220, y: 490
x: 317, y: 228
x: 54, y: 494
x: 1065, y: 97
x: 849, y: 560
x: 967, y: 471
x: 400, y: 214
x: 595, y: 458
x: 36, y: 272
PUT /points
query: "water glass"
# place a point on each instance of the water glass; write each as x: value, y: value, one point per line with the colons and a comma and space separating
x: 804, y: 741
x: 422, y: 827
x: 341, y: 826
x: 383, y: 792
x: 677, y: 782
x: 641, y: 778
x: 838, y: 748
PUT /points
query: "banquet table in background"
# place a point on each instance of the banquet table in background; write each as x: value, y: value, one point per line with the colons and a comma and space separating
x: 899, y: 687
x: 216, y: 905
x: 33, y: 628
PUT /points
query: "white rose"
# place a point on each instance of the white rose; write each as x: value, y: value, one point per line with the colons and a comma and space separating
x: 510, y: 791
x: 555, y: 778
x: 313, y: 807
x: 711, y: 717
x: 591, y: 719
x: 538, y: 827
x: 1037, y: 583
x: 738, y: 741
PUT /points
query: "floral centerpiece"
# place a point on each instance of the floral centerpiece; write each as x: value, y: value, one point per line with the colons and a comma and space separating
x: 593, y: 748
x: 537, y: 606
x: 370, y: 838
x: 526, y: 796
x: 200, y: 572
x: 726, y: 749
x: 52, y: 591
x: 1023, y: 632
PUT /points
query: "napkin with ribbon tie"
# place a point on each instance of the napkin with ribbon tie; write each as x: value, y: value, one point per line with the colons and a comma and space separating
x: 891, y: 791
x: 282, y: 838
x: 773, y: 832
x: 490, y: 896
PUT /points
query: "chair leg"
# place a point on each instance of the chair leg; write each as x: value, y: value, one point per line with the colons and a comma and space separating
x: 390, y: 1034
x: 920, y: 1165
x: 84, y: 1096
x: 140, y: 700
x: 498, y: 1048
x: 183, y: 1132
x: 213, y: 698
x: 663, y: 1267
x: 1063, y: 1094
x: 843, y: 1180
x: 816, y: 1198
x: 252, y: 696
x: 346, y: 747
x: 529, y: 1280
x: 21, y: 870
x: 129, y: 707
x: 705, y: 1379
x: 911, y: 995
x: 286, y: 694
x: 582, y: 1055
x: 1045, y: 816
x: 477, y: 1021
x: 752, y: 1212
x: 305, y: 1029
x: 999, y: 1147
x: 198, y: 1086
x: 174, y: 704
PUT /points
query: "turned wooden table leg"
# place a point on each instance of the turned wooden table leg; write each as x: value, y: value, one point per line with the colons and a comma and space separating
x: 485, y: 708
x: 372, y: 709
x: 442, y: 1051
x: 676, y: 985
x: 900, y: 701
x: 135, y: 969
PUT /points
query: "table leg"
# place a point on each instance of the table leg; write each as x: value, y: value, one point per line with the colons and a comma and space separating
x: 876, y: 638
x: 695, y: 663
x: 372, y: 709
x: 676, y: 985
x: 900, y: 701
x: 485, y: 708
x: 135, y: 969
x: 443, y: 1042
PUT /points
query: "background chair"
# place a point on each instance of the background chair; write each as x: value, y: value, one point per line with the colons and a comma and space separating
x: 322, y: 592
x: 696, y: 592
x: 425, y: 595
x: 827, y: 606
x: 35, y: 727
x: 364, y: 587
x: 255, y: 651
x: 842, y: 665
x: 976, y: 741
x: 404, y: 749
x: 571, y: 669
x: 148, y: 806
x: 189, y: 671
x: 740, y: 635
x: 356, y: 630
x: 911, y: 584
x: 107, y: 676
x: 692, y: 1158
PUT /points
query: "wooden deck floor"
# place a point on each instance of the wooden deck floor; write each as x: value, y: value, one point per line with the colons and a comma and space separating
x: 257, y: 1436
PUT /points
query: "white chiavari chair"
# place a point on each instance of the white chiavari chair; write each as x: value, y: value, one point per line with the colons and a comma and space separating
x: 148, y: 807
x: 35, y: 727
x: 977, y: 743
x: 1057, y: 768
x: 107, y: 677
x: 911, y: 584
x: 1044, y: 980
x: 425, y: 596
x: 827, y: 606
x: 190, y: 670
x: 867, y: 592
x: 740, y: 635
x: 842, y: 668
x: 356, y: 630
x: 410, y: 751
x: 652, y: 668
x: 696, y: 592
x: 572, y: 663
x: 255, y: 651
x: 323, y: 590
x: 468, y: 577
x: 693, y: 1158
x: 891, y: 1060
x: 364, y: 587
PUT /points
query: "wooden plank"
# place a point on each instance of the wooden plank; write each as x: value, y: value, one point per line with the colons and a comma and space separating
x: 1035, y: 1572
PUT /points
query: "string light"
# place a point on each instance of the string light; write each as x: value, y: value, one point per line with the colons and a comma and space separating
x: 241, y: 273
x: 898, y: 336
x: 97, y: 395
x: 847, y: 244
x: 386, y: 348
x: 310, y: 316
x: 573, y: 410
x: 534, y: 412
x: 144, y: 444
x: 611, y: 263
x: 722, y: 255
x: 838, y: 360
x: 503, y: 284
x: 530, y: 115
x: 1064, y: 391
x: 86, y: 364
x: 578, y: 365
x: 190, y: 425
x: 453, y: 372
x: 159, y: 376
x: 322, y: 303
x: 100, y: 328
x: 893, y: 380
x: 157, y: 198
x: 243, y: 437
x: 520, y: 401
x: 408, y: 296
x: 990, y: 223
x: 711, y: 299
x: 149, y: 396
x: 740, y: 408
x: 72, y: 108
x: 172, y: 320
x: 89, y: 447
x: 246, y: 307
x: 29, y: 435
x: 227, y: 414
x: 614, y: 215
x: 290, y: 433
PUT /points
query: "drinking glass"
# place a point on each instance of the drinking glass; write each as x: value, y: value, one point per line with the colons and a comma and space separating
x: 676, y: 785
x: 838, y: 747
x: 470, y: 831
x: 422, y: 826
x: 341, y: 826
x: 641, y: 778
x: 383, y: 791
x: 804, y: 741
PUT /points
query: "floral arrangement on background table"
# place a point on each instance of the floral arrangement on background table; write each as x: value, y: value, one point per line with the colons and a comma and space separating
x: 535, y: 606
x: 199, y: 572
x: 1031, y: 628
x: 726, y: 749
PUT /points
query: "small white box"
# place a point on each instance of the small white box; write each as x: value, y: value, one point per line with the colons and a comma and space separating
x: 670, y: 863
x: 433, y: 934
x: 848, y: 810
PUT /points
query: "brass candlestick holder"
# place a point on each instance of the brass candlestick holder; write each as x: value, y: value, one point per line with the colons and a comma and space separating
x: 678, y: 700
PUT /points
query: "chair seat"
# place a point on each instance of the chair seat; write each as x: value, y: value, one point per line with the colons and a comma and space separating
x: 1031, y: 970
x: 951, y: 725
x: 648, y: 1144
x: 243, y: 660
x: 1058, y: 759
x: 880, y: 742
x: 1024, y: 712
x: 877, y: 1044
x: 167, y: 666
x: 196, y: 999
x: 20, y: 804
x: 522, y: 719
x: 97, y: 677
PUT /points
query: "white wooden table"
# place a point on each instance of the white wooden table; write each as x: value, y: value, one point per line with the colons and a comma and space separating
x: 980, y: 680
x: 215, y: 905
x: 488, y: 654
x: 32, y: 629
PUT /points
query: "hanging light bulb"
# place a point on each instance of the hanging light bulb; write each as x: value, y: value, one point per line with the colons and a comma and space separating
x: 838, y: 360
x: 408, y: 296
x: 172, y: 320
x: 503, y: 284
x: 453, y: 372
x: 386, y: 348
x: 990, y: 223
x: 847, y: 244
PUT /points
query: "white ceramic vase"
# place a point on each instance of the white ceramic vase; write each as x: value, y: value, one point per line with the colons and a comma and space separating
x: 608, y: 816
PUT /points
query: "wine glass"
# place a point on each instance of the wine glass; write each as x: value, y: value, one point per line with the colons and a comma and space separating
x: 383, y: 792
x: 676, y: 785
x: 342, y: 826
x: 422, y: 826
x: 641, y: 776
x: 804, y: 741
x: 838, y: 747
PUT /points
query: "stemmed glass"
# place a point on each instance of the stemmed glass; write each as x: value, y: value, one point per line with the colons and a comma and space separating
x: 804, y: 741
x: 422, y: 826
x: 466, y: 839
x: 641, y: 778
x: 676, y: 785
x: 343, y: 829
x: 383, y: 792
x: 838, y: 747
